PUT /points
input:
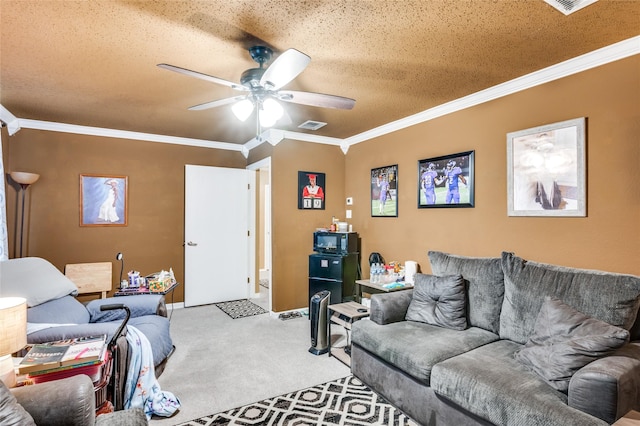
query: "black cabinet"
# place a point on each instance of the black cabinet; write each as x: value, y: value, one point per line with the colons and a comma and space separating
x: 334, y: 272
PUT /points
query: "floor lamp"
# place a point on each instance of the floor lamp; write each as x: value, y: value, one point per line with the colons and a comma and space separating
x: 24, y: 179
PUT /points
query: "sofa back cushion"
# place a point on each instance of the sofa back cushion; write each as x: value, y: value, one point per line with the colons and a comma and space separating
x: 609, y: 297
x: 484, y: 282
x: 35, y: 279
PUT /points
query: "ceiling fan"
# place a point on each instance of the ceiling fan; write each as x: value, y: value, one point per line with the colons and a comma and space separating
x: 263, y: 87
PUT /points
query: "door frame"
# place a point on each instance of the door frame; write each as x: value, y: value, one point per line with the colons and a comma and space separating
x: 261, y: 164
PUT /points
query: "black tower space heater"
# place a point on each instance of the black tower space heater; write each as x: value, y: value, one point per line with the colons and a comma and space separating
x: 318, y: 311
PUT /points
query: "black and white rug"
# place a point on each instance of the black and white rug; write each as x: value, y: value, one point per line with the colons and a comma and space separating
x: 240, y: 308
x: 345, y: 401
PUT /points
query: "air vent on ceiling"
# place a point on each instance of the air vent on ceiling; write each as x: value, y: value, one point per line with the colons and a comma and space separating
x: 312, y: 125
x: 569, y: 6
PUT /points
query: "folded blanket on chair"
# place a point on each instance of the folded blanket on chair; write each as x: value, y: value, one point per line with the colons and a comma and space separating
x: 142, y: 389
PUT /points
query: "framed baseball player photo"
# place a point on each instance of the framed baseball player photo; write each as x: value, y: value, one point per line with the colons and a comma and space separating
x: 384, y: 191
x: 446, y: 181
x: 311, y: 193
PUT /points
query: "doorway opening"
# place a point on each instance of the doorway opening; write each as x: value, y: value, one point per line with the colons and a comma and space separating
x: 262, y: 289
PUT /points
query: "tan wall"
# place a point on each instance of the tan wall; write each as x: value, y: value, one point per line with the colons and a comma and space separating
x: 607, y: 239
x: 154, y: 236
x: 292, y: 229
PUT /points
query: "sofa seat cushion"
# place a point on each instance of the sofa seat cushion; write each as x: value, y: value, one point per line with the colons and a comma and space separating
x: 154, y: 327
x: 439, y: 301
x: 416, y: 347
x: 484, y: 281
x: 490, y: 383
x: 609, y: 297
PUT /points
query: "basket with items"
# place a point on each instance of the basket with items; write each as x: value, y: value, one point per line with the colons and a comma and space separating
x: 161, y: 281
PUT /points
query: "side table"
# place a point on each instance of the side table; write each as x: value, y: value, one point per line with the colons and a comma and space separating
x: 345, y: 314
x: 378, y: 287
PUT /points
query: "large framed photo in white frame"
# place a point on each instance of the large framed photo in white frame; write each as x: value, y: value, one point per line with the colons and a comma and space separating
x: 546, y: 170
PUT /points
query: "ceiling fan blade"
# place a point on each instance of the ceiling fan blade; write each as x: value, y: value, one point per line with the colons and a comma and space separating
x: 316, y: 99
x: 219, y: 102
x: 202, y: 76
x: 284, y: 68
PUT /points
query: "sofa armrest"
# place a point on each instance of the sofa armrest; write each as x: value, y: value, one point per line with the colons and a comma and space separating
x: 69, y: 401
x: 609, y: 387
x: 139, y: 305
x: 390, y: 307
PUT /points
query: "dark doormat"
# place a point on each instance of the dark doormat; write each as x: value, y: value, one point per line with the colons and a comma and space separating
x: 240, y: 308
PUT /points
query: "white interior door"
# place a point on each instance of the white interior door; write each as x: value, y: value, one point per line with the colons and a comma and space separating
x: 216, y: 234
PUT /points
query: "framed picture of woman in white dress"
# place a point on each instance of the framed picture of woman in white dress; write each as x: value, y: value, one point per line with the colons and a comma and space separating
x: 103, y: 200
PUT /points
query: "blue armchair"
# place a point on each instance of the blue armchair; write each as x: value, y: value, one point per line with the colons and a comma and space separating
x: 54, y: 313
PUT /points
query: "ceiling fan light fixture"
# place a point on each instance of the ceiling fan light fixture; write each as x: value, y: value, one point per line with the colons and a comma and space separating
x: 242, y: 109
x: 270, y: 112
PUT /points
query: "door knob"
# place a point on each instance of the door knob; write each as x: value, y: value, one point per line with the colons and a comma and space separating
x: 192, y: 244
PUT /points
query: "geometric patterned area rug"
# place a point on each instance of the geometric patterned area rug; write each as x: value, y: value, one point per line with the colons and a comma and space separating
x: 240, y: 308
x: 345, y: 401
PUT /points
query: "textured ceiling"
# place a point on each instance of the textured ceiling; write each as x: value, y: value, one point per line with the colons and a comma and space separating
x: 93, y: 63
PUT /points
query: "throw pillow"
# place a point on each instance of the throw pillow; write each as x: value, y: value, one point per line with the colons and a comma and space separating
x: 35, y: 279
x: 12, y: 413
x: 484, y: 281
x: 566, y: 340
x: 439, y: 301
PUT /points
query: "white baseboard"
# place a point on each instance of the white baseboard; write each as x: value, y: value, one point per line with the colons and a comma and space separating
x: 178, y: 305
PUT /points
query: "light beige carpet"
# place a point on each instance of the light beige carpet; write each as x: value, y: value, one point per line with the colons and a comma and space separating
x: 221, y: 363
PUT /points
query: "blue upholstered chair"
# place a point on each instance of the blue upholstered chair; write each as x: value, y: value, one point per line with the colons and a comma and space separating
x: 54, y: 313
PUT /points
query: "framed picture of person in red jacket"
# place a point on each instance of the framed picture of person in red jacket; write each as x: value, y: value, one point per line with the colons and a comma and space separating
x: 311, y: 190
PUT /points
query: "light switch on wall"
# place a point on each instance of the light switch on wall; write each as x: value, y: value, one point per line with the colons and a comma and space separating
x: 348, y: 214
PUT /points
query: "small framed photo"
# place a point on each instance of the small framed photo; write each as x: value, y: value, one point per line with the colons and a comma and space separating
x: 446, y: 181
x: 311, y: 190
x: 384, y: 191
x: 546, y: 170
x: 103, y: 200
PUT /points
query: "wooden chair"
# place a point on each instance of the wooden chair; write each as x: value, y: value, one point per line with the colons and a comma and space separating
x: 91, y: 277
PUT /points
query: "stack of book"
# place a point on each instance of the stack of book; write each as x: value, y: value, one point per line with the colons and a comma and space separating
x: 64, y: 358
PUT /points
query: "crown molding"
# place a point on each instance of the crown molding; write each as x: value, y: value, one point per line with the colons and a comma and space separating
x: 124, y: 134
x: 13, y: 125
x: 581, y: 63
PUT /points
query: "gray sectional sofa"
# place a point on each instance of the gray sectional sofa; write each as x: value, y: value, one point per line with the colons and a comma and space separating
x: 505, y: 341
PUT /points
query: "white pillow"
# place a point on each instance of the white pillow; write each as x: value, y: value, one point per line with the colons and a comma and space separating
x: 35, y: 279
